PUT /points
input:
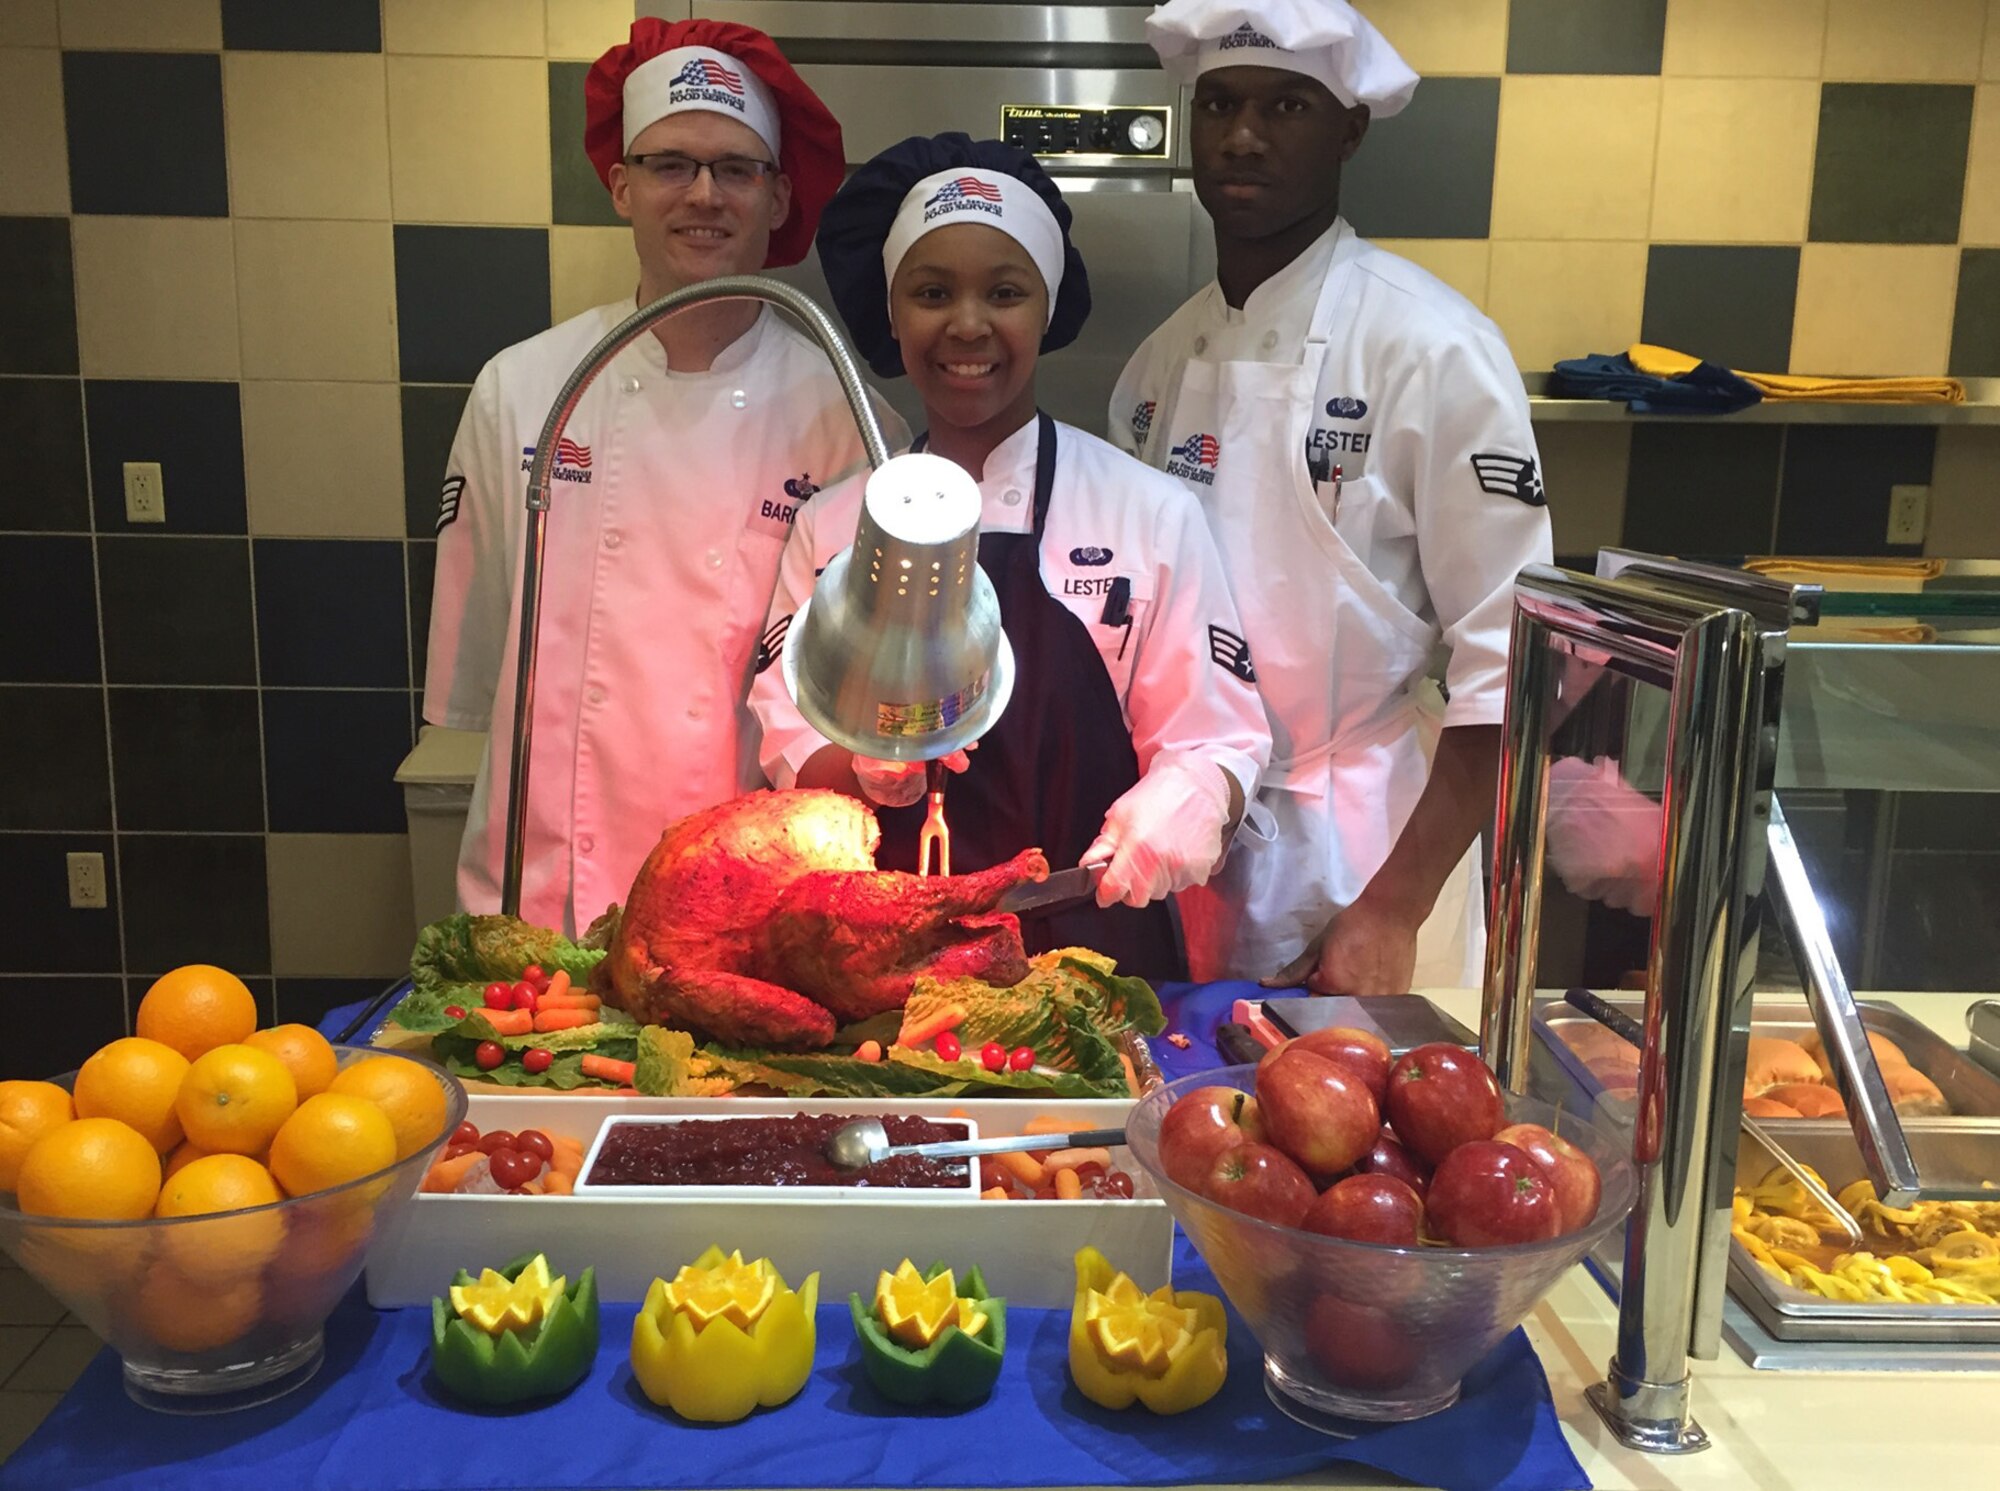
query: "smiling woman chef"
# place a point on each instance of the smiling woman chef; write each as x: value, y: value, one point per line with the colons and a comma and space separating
x: 677, y: 479
x: 1358, y: 436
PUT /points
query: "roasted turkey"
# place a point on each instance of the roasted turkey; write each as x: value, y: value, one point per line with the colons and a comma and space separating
x: 764, y: 922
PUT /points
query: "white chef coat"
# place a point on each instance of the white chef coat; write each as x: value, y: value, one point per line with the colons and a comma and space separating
x: 1439, y: 500
x: 671, y: 499
x: 1177, y: 664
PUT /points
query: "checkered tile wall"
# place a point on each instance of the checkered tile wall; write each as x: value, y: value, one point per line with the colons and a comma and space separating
x: 267, y: 245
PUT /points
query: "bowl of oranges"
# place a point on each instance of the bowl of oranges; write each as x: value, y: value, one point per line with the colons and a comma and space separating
x: 202, y: 1193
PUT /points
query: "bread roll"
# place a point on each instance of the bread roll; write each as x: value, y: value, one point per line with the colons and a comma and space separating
x: 1769, y: 1108
x: 1887, y: 1053
x: 1808, y: 1100
x: 1914, y: 1094
x: 1774, y: 1063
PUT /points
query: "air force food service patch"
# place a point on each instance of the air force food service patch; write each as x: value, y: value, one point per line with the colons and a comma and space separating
x: 1510, y: 476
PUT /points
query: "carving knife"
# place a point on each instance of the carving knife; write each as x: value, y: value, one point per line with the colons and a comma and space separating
x: 1063, y: 888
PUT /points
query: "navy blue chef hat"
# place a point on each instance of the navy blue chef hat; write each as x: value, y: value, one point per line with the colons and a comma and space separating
x: 863, y: 217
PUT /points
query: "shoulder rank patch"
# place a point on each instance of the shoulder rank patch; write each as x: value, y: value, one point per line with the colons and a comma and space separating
x: 454, y: 487
x: 1509, y: 476
x: 1231, y: 653
x: 772, y: 643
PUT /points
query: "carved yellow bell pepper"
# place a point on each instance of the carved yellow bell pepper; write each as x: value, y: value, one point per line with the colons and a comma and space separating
x: 723, y: 1338
x: 1164, y: 1349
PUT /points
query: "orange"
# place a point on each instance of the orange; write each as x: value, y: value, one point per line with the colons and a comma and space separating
x: 305, y: 1053
x: 332, y: 1139
x: 94, y: 1167
x: 135, y: 1081
x: 28, y: 1110
x: 324, y: 1245
x: 225, y: 1248
x: 197, y: 1008
x: 405, y: 1091
x: 234, y: 1099
x: 184, y: 1314
x: 183, y: 1155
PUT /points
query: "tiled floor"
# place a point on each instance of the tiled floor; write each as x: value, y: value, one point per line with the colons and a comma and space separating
x: 42, y: 1351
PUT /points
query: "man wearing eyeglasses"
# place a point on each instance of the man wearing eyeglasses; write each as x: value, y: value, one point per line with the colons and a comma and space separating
x: 674, y: 486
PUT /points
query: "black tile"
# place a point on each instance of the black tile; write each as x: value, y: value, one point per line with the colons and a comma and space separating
x: 145, y: 133
x: 464, y: 293
x: 1729, y: 305
x: 193, y: 430
x: 330, y: 760
x: 1699, y: 490
x: 91, y: 1014
x: 331, y: 613
x: 323, y: 26
x: 1975, y: 329
x: 306, y: 1001
x: 1835, y: 495
x: 48, y: 611
x: 1428, y: 172
x: 177, y: 610
x: 195, y: 898
x: 188, y: 759
x: 423, y: 576
x: 37, y: 296
x: 431, y: 413
x: 1890, y: 164
x: 44, y: 416
x: 53, y: 771
x: 1940, y: 933
x: 1586, y: 36
x: 575, y: 193
x: 51, y: 936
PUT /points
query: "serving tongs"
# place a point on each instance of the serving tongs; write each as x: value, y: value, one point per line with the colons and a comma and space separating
x: 936, y: 833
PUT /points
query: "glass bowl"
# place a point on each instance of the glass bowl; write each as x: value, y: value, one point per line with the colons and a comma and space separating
x: 218, y: 1312
x: 1364, y: 1331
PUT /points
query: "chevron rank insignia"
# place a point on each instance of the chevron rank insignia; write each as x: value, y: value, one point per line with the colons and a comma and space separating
x: 772, y: 643
x: 1510, y: 476
x: 454, y: 488
x: 1231, y: 653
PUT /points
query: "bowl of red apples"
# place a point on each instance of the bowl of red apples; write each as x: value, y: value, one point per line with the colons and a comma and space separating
x: 1379, y: 1223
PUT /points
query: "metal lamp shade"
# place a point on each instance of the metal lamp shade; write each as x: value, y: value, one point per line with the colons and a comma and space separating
x: 899, y: 655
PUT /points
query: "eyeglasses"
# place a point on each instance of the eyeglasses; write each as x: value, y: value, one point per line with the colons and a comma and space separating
x: 732, y: 173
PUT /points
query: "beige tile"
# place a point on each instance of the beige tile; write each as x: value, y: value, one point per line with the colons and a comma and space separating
x: 1731, y: 39
x: 1992, y: 67
x: 24, y: 1302
x: 156, y: 297
x: 1445, y: 36
x: 142, y: 25
x: 323, y: 460
x: 1574, y: 157
x: 1981, y: 222
x: 1459, y: 262
x: 587, y: 28
x: 469, y: 140
x: 340, y: 905
x: 57, y: 1362
x: 1583, y: 467
x: 36, y: 179
x: 590, y: 266
x: 20, y: 1415
x: 29, y: 23
x: 1965, y: 476
x: 317, y: 299
x: 1913, y: 41
x: 308, y: 134
x: 464, y: 28
x: 1556, y: 300
x: 1712, y: 185
x: 1874, y: 309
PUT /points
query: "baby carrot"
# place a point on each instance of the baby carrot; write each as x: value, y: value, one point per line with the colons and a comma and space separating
x: 547, y: 1020
x: 605, y: 1069
x: 559, y: 983
x: 509, y: 1022
x: 1023, y: 1167
x: 1068, y: 1187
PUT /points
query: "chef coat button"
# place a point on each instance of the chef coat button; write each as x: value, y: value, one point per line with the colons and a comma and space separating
x: 1012, y: 497
x: 715, y: 559
x: 695, y: 711
x: 1270, y: 340
x: 595, y: 696
x: 739, y: 398
x: 1200, y: 344
x: 585, y: 844
x: 631, y: 385
x: 612, y: 540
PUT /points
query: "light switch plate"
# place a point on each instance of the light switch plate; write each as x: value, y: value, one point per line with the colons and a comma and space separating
x: 1909, y: 514
x: 145, y: 493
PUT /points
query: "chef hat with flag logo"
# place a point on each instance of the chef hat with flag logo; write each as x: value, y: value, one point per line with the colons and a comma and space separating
x: 929, y: 182
x: 1326, y: 40
x: 736, y: 71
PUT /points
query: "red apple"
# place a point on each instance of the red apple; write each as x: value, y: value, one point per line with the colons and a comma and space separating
x: 1317, y: 1112
x: 1260, y: 1182
x: 1368, y: 1208
x: 1441, y: 1096
x: 1359, y: 1346
x: 1486, y: 1195
x: 1362, y: 1052
x: 1201, y: 1125
x: 1389, y: 1157
x: 1578, y: 1185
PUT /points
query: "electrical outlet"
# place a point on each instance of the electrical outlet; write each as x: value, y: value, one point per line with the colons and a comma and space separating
x: 145, y: 493
x: 86, y: 881
x: 1909, y: 513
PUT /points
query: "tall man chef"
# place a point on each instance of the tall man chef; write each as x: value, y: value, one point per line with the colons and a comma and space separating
x: 677, y: 480
x: 1358, y: 435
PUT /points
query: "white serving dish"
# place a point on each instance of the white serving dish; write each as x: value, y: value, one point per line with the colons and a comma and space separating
x: 584, y: 1186
x: 1025, y: 1249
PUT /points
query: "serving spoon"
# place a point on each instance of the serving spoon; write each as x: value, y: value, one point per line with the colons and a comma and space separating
x: 866, y: 1141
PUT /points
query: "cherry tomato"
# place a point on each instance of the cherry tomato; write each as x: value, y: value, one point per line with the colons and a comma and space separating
x: 524, y: 995
x: 513, y: 1168
x: 1118, y: 1184
x: 1090, y: 1172
x: 538, y: 1061
x: 496, y: 1141
x: 535, y: 1141
x: 455, y: 1011
x: 993, y: 1056
x: 948, y: 1048
x: 487, y: 1055
x: 533, y: 974
x: 465, y: 1133
x: 499, y: 997
x: 1022, y: 1059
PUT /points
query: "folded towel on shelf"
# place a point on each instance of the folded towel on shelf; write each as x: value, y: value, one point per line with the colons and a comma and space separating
x: 1664, y: 362
x: 1911, y: 569
x: 1698, y: 388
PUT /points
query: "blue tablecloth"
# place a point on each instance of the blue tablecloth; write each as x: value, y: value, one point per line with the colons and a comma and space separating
x: 374, y: 1417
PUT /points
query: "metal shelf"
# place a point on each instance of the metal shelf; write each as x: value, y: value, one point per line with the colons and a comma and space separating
x: 1981, y: 407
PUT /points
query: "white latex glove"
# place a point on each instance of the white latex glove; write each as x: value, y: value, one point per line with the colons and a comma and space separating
x: 1164, y: 834
x: 897, y: 784
x: 1603, y: 835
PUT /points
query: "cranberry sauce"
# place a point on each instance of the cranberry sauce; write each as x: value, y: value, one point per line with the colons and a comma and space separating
x: 776, y: 1151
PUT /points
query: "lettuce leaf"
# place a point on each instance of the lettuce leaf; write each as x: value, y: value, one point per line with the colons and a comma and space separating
x: 466, y: 949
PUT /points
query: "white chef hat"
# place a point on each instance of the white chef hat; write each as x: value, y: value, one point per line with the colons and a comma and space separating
x: 1326, y: 40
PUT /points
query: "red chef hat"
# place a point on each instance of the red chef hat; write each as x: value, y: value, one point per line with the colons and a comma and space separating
x: 809, y: 147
